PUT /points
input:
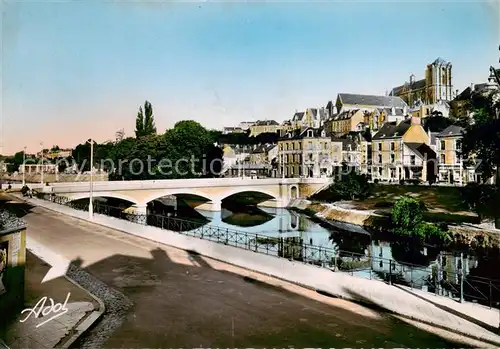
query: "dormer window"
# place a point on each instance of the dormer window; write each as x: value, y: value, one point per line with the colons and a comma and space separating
x: 310, y: 133
x: 323, y: 133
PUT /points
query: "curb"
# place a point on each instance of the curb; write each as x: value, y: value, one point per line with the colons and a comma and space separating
x: 88, y: 321
x: 370, y: 305
x: 484, y: 325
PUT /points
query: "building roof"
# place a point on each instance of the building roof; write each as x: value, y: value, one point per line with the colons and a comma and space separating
x: 415, y: 85
x: 346, y: 114
x: 371, y: 100
x: 266, y: 123
x: 392, y: 130
x: 298, y: 116
x: 451, y: 131
x: 302, y: 133
x: 264, y: 148
x: 323, y: 115
x: 397, y: 111
x: 441, y: 61
x: 422, y: 150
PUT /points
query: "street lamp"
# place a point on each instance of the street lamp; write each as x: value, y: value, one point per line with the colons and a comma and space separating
x: 91, y: 183
x: 24, y: 167
x: 41, y: 171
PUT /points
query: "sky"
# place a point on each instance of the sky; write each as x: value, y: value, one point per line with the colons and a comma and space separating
x: 74, y: 70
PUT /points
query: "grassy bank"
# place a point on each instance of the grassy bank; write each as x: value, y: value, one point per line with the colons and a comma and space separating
x: 378, y: 224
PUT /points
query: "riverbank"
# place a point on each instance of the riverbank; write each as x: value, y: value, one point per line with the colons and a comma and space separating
x: 345, y: 215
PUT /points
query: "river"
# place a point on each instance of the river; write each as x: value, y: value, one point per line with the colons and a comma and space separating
x: 293, y: 235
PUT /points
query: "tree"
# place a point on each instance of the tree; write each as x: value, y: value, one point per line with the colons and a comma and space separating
x: 191, y: 149
x: 481, y: 139
x: 119, y: 135
x: 436, y: 122
x: 408, y: 220
x: 144, y: 123
x: 350, y: 186
x: 15, y: 161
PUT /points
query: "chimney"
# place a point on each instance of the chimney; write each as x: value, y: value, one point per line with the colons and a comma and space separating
x: 415, y: 120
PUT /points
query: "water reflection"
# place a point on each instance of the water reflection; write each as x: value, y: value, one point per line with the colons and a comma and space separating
x: 293, y: 235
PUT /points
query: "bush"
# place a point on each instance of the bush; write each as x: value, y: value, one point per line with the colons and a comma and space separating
x: 376, y: 181
x: 402, y: 181
x: 351, y: 186
x: 408, y: 220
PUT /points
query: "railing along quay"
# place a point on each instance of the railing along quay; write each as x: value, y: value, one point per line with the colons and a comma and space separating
x: 432, y: 278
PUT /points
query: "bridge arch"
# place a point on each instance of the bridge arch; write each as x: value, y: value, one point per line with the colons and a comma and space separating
x: 161, y: 193
x: 234, y: 191
x: 102, y: 194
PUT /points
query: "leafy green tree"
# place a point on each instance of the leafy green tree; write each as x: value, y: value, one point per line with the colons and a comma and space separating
x: 189, y: 146
x: 15, y: 161
x: 436, y: 122
x: 144, y: 123
x: 350, y: 186
x: 408, y: 220
x: 482, y: 137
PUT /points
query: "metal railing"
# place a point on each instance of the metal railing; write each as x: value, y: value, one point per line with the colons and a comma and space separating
x: 374, y: 267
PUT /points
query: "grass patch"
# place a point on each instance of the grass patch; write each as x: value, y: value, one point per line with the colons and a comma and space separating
x: 446, y: 199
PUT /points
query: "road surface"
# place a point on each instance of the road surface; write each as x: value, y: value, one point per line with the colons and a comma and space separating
x: 185, y: 300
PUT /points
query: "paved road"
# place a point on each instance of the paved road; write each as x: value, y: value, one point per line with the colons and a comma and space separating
x: 185, y: 300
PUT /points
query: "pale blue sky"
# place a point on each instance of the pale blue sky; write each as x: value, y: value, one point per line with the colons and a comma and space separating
x: 74, y: 70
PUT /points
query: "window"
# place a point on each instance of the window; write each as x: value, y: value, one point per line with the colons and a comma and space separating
x: 393, y: 158
x: 458, y: 145
x: 393, y: 146
x: 412, y: 160
x: 380, y: 147
x: 442, y: 159
x: 310, y: 133
x: 379, y: 158
x: 443, y: 145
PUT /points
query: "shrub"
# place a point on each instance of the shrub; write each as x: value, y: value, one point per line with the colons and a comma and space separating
x: 352, y: 186
x: 402, y: 181
x: 408, y: 220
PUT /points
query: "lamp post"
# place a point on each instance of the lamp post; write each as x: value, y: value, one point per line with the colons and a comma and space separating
x: 41, y: 169
x: 24, y: 166
x: 91, y: 183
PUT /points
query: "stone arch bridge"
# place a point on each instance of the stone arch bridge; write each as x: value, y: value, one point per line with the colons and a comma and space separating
x: 278, y: 192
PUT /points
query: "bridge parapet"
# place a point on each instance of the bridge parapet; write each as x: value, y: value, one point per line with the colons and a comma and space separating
x: 282, y: 191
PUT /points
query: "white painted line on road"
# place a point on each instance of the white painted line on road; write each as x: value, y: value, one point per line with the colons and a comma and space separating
x: 59, y: 264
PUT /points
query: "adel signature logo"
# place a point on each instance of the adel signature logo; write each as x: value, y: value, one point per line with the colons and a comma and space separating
x: 40, y: 308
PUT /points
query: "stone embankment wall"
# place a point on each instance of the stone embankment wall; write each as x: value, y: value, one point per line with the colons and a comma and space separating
x: 462, y: 234
x: 338, y: 213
